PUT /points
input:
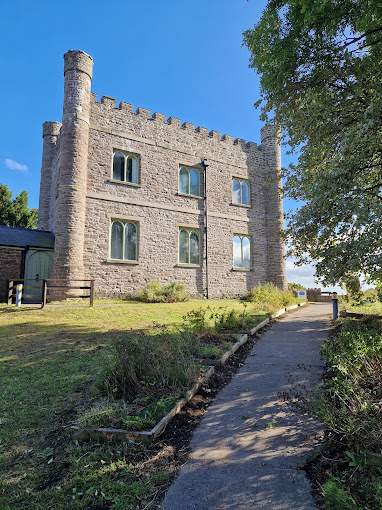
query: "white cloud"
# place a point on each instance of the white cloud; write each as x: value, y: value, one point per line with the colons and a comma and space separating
x: 305, y: 276
x: 14, y: 165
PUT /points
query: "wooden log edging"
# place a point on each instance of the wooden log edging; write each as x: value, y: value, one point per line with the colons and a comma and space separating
x: 111, y: 434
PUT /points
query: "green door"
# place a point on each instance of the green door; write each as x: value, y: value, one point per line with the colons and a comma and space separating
x: 38, y: 266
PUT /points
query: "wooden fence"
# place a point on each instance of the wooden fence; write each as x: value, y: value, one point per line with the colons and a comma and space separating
x: 51, y: 289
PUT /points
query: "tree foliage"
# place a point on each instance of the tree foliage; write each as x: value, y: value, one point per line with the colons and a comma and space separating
x: 321, y: 76
x: 15, y: 213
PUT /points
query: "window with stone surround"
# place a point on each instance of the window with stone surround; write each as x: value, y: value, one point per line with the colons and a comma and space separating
x: 125, y: 167
x: 124, y: 241
x: 189, y: 246
x: 240, y: 192
x: 242, y: 251
x: 189, y: 181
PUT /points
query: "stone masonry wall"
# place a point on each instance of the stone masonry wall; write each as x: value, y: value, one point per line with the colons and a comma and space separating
x: 84, y: 198
x: 10, y: 267
x: 159, y: 209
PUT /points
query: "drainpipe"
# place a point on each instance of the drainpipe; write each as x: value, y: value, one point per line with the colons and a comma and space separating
x: 206, y: 164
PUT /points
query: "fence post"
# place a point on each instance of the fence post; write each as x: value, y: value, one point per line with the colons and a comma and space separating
x: 44, y: 293
x: 335, y: 305
x: 10, y: 291
x: 19, y: 293
x: 91, y: 292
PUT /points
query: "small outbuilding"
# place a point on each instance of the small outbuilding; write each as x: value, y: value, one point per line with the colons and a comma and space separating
x: 25, y: 254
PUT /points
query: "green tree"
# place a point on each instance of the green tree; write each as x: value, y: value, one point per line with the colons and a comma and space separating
x: 321, y: 74
x: 15, y: 213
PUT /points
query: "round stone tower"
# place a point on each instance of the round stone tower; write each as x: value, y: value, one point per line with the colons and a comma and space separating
x: 50, y: 134
x: 74, y: 140
x: 270, y: 145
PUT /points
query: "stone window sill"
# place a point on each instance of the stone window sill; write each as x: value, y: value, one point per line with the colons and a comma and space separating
x: 241, y: 205
x: 117, y: 261
x: 188, y: 266
x: 189, y: 196
x: 124, y: 183
x: 244, y: 269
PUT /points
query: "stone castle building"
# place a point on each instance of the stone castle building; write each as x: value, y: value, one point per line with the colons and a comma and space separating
x: 131, y: 197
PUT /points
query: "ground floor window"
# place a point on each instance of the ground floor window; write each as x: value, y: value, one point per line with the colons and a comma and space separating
x: 189, y: 246
x: 242, y: 251
x: 123, y: 240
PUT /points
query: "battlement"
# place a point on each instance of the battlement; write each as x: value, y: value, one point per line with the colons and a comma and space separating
x: 109, y: 103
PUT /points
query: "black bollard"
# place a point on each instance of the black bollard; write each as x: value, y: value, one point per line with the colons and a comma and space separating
x: 335, y: 305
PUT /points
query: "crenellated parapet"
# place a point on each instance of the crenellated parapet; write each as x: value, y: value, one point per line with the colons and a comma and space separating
x: 107, y: 105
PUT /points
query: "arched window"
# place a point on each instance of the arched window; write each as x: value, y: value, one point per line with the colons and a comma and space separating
x: 189, y: 181
x: 189, y: 246
x: 240, y: 192
x: 123, y: 240
x: 242, y: 251
x: 125, y: 167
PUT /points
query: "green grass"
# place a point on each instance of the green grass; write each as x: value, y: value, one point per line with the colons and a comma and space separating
x: 49, y: 363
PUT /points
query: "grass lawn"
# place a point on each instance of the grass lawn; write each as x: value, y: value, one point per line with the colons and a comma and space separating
x: 49, y: 362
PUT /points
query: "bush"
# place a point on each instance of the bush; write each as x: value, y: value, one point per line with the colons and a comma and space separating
x: 157, y: 365
x: 154, y: 292
x: 270, y: 297
x: 348, y: 403
x: 295, y: 286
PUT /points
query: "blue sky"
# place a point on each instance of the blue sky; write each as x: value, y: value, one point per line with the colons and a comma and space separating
x: 183, y: 59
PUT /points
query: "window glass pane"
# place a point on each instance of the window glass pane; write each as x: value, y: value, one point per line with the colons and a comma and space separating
x: 194, y: 182
x: 116, y: 240
x: 246, y: 244
x: 235, y: 191
x: 130, y: 241
x: 118, y: 167
x: 244, y: 193
x: 129, y: 169
x: 183, y: 247
x: 134, y: 169
x: 194, y: 248
x: 183, y: 181
x: 237, y: 251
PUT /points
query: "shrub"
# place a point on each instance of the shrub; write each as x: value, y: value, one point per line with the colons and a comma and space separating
x: 141, y: 364
x: 295, y: 286
x: 196, y: 321
x: 270, y: 297
x: 154, y: 292
x: 232, y: 320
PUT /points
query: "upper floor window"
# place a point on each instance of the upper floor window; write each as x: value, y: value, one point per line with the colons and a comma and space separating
x: 189, y: 181
x: 242, y: 251
x: 189, y: 246
x: 125, y: 167
x: 123, y: 240
x: 240, y: 191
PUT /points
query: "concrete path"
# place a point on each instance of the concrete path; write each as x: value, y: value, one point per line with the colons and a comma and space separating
x: 247, y: 449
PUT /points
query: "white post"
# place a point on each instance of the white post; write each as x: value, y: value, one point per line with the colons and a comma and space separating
x: 19, y: 291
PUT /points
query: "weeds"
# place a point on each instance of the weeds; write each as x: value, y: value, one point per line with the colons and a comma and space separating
x: 271, y: 298
x: 154, y: 292
x: 348, y: 403
x: 142, y: 364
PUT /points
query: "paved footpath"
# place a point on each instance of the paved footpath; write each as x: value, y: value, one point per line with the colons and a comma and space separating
x: 247, y: 449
